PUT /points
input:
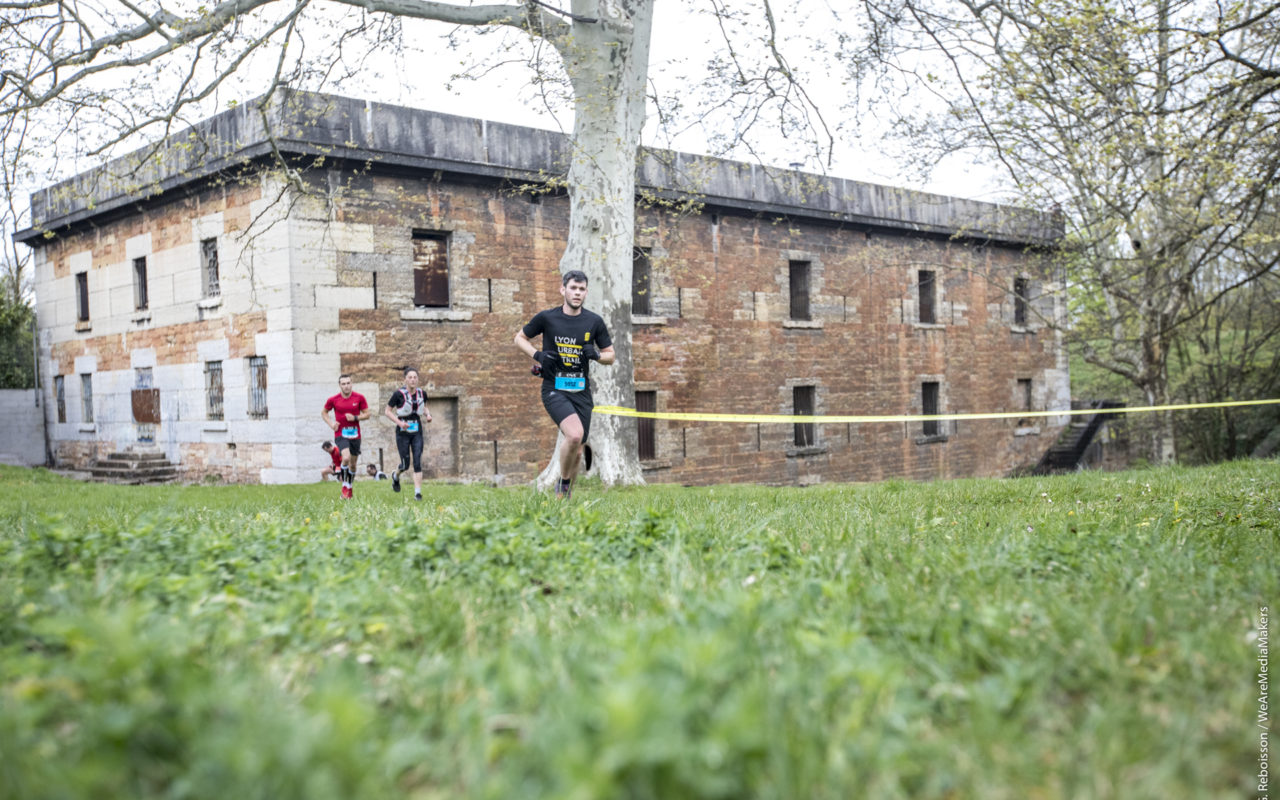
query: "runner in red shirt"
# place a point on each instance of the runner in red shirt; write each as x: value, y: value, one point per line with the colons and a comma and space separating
x: 348, y: 409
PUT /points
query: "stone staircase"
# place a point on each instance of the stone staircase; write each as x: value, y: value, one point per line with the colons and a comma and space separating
x: 134, y: 467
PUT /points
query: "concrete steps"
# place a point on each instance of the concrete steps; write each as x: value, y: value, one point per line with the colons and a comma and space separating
x: 134, y: 467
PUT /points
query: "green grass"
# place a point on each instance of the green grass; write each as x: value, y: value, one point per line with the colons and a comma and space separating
x: 1072, y: 637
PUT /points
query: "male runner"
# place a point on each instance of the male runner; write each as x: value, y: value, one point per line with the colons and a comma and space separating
x: 406, y: 408
x: 348, y: 409
x: 572, y: 337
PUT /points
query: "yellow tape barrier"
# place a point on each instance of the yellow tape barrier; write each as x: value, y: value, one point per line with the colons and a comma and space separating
x: 619, y: 411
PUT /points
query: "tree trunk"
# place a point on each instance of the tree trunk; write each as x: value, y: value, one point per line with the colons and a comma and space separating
x: 608, y: 63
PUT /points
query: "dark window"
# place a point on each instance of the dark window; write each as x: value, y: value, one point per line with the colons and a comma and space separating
x: 140, y: 283
x: 60, y: 392
x: 1020, y: 287
x: 802, y: 404
x: 209, y: 264
x: 82, y: 296
x: 648, y: 403
x: 641, y: 278
x: 1024, y: 393
x: 927, y: 313
x: 213, y: 389
x: 799, y: 289
x: 430, y: 269
x: 258, y: 387
x: 929, y: 402
x: 86, y: 397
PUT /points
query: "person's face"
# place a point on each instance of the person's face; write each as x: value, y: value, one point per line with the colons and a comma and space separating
x: 575, y: 292
x: 411, y: 379
x: 345, y: 385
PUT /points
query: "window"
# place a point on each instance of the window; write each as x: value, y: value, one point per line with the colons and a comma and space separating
x: 648, y: 403
x: 927, y: 313
x: 140, y: 283
x: 929, y: 403
x: 430, y: 269
x: 1024, y: 393
x: 213, y: 390
x: 82, y: 296
x: 799, y: 290
x: 60, y: 394
x: 641, y: 278
x: 258, y: 387
x: 802, y: 404
x: 209, y: 265
x: 86, y: 397
x: 1020, y: 290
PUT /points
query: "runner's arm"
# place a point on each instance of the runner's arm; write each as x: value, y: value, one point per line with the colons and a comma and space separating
x: 324, y: 415
x: 390, y: 413
x: 525, y: 345
x: 606, y: 355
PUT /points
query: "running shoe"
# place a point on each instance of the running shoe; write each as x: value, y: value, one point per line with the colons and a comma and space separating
x: 395, y: 481
x: 346, y: 492
x: 564, y: 490
x: 417, y: 496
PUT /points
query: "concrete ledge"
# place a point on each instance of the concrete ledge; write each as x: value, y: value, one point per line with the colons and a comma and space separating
x: 807, y: 452
x: 804, y: 324
x: 648, y: 319
x: 434, y: 315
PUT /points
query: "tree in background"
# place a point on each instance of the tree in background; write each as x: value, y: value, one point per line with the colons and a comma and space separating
x: 1152, y: 126
x: 85, y: 79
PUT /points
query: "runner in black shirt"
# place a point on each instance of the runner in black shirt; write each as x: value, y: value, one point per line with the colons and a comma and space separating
x: 572, y: 337
x: 407, y: 408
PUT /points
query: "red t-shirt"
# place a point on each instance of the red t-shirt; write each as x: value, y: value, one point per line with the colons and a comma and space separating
x: 336, y: 455
x: 343, y: 406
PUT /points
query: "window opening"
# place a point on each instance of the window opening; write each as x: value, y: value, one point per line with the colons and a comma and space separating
x: 213, y: 390
x: 647, y: 402
x: 641, y: 281
x: 430, y: 269
x: 929, y: 404
x: 802, y: 403
x: 140, y: 283
x: 927, y: 312
x: 258, y: 387
x: 799, y: 289
x: 209, y: 265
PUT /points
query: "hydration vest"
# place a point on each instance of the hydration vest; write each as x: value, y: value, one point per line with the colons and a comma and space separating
x: 412, y: 404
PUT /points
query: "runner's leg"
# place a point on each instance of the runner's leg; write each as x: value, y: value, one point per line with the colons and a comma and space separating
x: 416, y: 447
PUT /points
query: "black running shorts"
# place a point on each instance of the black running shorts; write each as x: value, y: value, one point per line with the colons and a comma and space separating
x: 561, y: 404
x: 347, y: 444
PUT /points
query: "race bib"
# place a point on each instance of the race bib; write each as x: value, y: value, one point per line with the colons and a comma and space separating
x: 569, y: 383
x: 411, y: 426
x: 350, y: 432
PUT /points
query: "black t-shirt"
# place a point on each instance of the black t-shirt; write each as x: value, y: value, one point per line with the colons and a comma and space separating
x: 407, y: 410
x: 564, y: 336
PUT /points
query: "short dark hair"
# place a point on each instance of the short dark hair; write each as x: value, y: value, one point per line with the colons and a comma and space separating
x: 327, y: 445
x: 407, y: 370
x: 573, y: 275
x: 344, y: 375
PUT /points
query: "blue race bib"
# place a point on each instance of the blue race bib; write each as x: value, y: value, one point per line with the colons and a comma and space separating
x: 350, y: 432
x: 565, y: 383
x: 412, y: 426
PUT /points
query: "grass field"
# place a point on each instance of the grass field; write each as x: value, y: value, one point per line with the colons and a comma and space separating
x: 1085, y: 636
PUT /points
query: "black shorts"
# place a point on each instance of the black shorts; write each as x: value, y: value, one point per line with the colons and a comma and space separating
x: 347, y: 444
x: 561, y: 404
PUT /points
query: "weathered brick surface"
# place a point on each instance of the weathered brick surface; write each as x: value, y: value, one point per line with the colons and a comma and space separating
x: 719, y: 338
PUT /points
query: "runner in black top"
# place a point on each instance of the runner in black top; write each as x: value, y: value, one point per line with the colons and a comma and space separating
x: 572, y: 338
x: 407, y: 408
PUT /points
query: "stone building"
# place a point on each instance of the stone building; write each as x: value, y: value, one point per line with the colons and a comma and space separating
x: 198, y: 299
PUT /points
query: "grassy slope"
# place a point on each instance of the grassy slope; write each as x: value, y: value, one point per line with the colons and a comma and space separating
x: 1080, y: 636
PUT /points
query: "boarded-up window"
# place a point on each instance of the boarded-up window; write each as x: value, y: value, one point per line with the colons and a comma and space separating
x: 1024, y: 393
x: 86, y: 397
x: 213, y: 389
x: 140, y: 283
x: 647, y: 402
x: 430, y: 269
x: 209, y: 267
x: 641, y: 280
x: 82, y: 296
x: 927, y: 312
x: 1020, y: 289
x: 929, y: 406
x: 258, y: 387
x: 802, y: 404
x: 799, y: 290
x: 60, y: 391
